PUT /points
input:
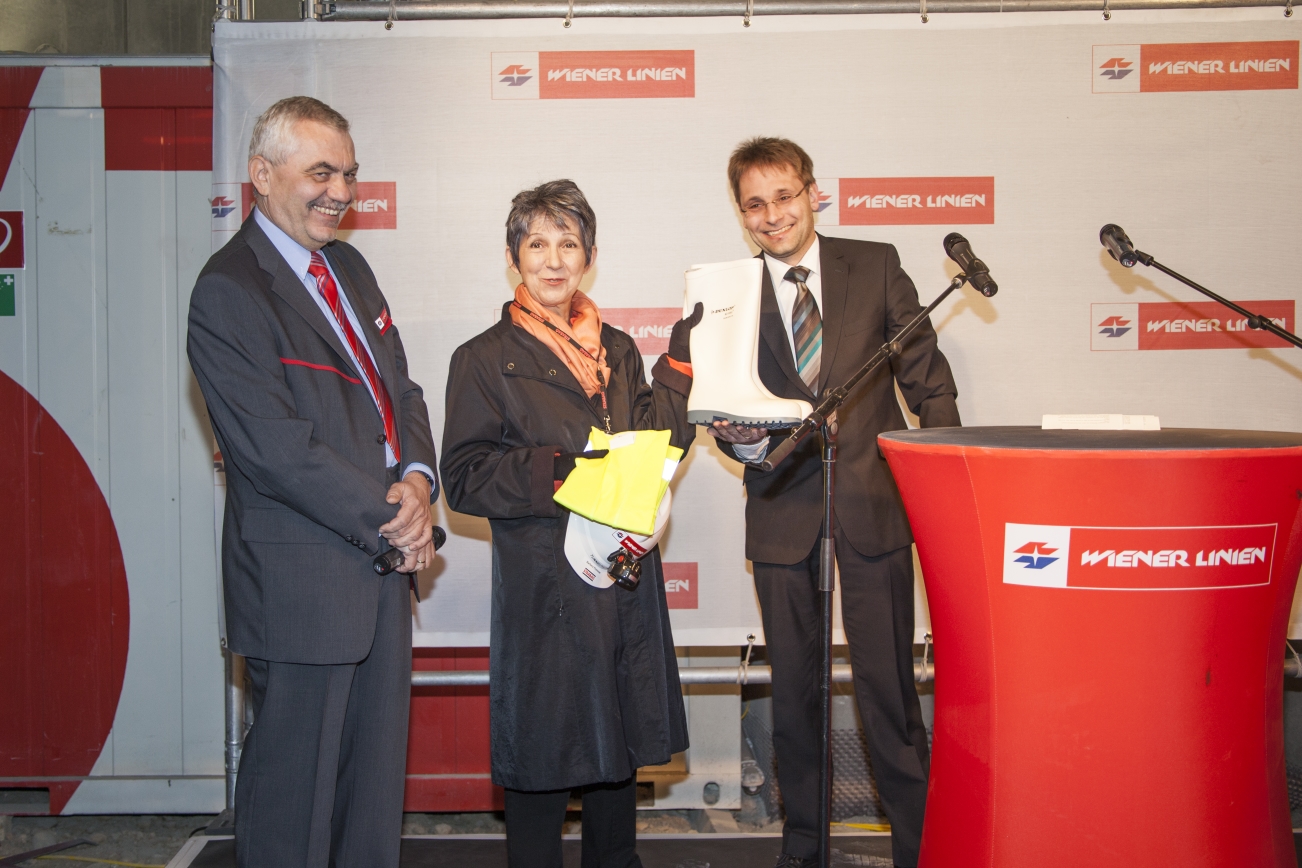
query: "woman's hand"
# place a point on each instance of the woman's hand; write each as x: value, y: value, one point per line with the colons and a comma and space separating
x: 680, y: 344
x: 563, y: 464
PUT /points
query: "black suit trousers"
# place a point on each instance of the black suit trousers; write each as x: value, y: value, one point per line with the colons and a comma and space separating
x: 323, y: 770
x: 877, y: 612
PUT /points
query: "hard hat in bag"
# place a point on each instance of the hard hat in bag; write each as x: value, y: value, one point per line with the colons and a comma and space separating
x: 604, y: 556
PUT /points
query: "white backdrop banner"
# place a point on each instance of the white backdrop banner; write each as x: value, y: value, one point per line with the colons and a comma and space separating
x: 1025, y: 131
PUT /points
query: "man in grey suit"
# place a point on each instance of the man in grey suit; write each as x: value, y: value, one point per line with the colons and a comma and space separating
x: 329, y: 461
x: 827, y: 304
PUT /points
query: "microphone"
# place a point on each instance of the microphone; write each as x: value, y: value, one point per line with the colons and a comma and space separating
x: 957, y: 248
x: 1118, y: 244
x: 393, y: 558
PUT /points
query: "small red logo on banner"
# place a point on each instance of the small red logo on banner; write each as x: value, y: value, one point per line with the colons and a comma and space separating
x: 515, y: 75
x: 221, y: 206
x: 616, y: 74
x: 649, y: 327
x: 594, y: 74
x: 916, y: 201
x: 1186, y: 325
x: 1116, y: 68
x: 1186, y: 66
x: 1202, y: 325
x: 376, y: 205
x: 1219, y: 66
x: 1138, y: 558
x: 11, y: 240
x: 680, y: 585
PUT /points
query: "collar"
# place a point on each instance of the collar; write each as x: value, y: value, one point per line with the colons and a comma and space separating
x: 778, y: 269
x: 296, y: 255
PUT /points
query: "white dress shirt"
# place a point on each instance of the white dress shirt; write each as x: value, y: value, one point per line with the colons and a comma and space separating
x: 786, y: 292
x: 299, y: 258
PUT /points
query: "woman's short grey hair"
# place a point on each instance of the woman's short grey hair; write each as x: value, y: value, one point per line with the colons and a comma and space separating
x: 273, y: 138
x: 561, y: 202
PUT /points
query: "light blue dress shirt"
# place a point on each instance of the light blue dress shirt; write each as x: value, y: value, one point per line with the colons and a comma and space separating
x: 299, y: 258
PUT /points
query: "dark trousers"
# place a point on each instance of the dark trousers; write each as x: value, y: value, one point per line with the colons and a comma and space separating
x: 877, y: 611
x: 534, y: 822
x: 322, y: 774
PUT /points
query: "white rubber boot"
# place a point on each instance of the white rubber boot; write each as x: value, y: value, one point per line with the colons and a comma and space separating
x: 725, y: 349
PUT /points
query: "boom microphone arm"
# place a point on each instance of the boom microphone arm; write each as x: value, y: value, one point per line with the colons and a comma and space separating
x: 825, y: 412
x: 1116, y: 242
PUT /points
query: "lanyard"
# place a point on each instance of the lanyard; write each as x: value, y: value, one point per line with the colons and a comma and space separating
x: 601, y: 380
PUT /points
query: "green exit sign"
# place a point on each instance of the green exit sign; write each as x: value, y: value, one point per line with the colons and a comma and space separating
x: 7, y: 305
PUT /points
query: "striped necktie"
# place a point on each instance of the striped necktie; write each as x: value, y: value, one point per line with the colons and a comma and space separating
x: 806, y: 329
x: 325, y: 284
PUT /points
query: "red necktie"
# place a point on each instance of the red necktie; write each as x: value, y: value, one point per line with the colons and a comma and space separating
x: 325, y: 284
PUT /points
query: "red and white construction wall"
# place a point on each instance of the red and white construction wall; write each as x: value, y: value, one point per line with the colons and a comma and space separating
x: 110, y: 667
x: 1025, y: 132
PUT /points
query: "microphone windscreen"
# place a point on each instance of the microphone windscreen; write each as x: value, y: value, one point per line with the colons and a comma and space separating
x: 1117, y: 243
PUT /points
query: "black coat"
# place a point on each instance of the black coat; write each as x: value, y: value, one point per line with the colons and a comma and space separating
x: 584, y: 682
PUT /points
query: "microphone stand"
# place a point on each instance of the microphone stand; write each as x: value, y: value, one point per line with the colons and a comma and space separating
x: 1255, y: 321
x: 824, y: 419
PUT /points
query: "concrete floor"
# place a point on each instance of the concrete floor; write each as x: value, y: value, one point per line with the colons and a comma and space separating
x: 139, y: 840
x: 152, y: 840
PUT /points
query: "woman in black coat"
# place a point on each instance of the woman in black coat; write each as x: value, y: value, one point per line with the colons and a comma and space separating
x: 584, y: 682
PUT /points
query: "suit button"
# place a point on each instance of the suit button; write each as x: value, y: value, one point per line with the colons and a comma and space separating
x: 510, y: 366
x: 348, y: 539
x: 552, y: 372
x: 379, y: 438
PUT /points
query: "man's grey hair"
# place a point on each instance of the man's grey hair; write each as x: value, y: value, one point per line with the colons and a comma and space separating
x: 273, y: 138
x: 561, y: 202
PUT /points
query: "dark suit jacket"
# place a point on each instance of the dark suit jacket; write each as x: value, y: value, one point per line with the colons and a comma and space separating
x: 304, y: 449
x: 867, y: 299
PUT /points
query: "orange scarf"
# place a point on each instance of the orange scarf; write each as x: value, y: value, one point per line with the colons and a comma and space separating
x: 584, y: 326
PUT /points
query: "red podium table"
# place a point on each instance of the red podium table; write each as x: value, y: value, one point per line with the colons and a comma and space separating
x: 1110, y: 609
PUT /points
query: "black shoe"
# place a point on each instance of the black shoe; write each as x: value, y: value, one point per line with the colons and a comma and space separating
x: 786, y: 860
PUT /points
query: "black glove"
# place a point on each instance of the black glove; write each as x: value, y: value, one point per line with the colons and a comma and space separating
x: 563, y: 465
x: 680, y: 345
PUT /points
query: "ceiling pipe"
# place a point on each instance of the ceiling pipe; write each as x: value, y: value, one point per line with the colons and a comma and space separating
x: 425, y: 10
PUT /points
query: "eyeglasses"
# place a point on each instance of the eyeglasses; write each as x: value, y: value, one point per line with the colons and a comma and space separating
x: 782, y: 201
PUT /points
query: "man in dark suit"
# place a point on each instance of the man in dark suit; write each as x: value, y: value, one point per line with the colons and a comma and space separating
x: 827, y: 305
x: 328, y: 457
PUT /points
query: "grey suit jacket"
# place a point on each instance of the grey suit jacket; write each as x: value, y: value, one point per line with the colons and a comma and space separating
x: 304, y: 449
x: 867, y: 299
